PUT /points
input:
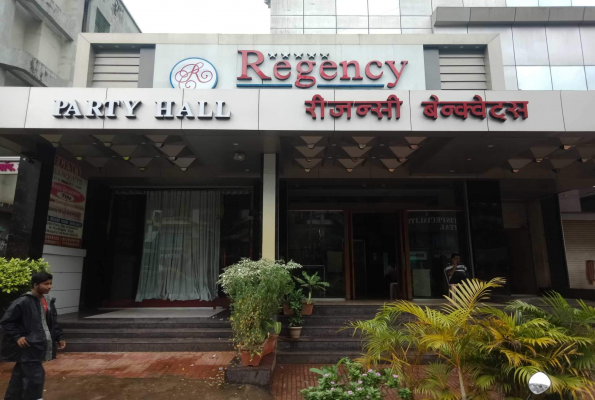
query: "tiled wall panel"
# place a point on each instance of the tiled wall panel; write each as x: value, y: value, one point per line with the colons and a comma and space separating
x: 534, y: 56
x: 530, y: 45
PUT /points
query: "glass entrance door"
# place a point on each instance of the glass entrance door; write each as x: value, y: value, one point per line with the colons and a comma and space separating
x: 316, y: 240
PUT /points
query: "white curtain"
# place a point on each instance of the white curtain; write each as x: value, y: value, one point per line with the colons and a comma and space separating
x: 181, y: 247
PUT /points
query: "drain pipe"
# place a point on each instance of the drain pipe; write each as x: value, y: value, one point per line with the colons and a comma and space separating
x: 85, y: 14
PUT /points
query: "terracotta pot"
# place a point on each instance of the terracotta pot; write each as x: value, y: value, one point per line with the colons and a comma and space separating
x: 307, y: 309
x: 295, y: 332
x: 286, y: 309
x: 246, y: 362
x: 269, y: 345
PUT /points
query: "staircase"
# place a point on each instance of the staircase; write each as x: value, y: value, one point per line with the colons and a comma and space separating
x: 322, y: 340
x: 147, y: 334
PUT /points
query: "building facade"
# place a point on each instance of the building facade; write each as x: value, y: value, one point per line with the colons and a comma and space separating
x: 369, y: 159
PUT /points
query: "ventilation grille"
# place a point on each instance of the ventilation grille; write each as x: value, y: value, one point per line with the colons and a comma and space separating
x: 462, y: 71
x: 116, y: 69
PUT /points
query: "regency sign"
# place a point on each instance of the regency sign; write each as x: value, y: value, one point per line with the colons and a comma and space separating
x: 337, y: 74
x: 460, y: 109
x: 163, y: 109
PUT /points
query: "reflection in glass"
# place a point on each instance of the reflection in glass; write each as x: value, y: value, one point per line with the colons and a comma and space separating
x: 534, y: 78
x: 433, y: 237
x: 569, y: 78
x: 316, y: 242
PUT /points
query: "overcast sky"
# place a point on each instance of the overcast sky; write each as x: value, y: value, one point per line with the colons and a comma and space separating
x: 200, y: 16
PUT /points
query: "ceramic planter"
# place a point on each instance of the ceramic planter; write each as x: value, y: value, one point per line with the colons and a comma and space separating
x: 247, y: 362
x: 307, y: 309
x: 286, y: 309
x: 295, y: 332
x: 269, y: 345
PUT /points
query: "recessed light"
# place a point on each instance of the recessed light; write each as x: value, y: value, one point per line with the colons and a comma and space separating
x: 373, y: 156
x: 94, y: 144
x: 490, y: 145
x: 236, y: 144
x: 452, y: 170
x: 331, y: 157
x: 381, y: 144
x: 334, y: 144
x: 247, y: 170
x: 468, y: 159
x: 143, y: 142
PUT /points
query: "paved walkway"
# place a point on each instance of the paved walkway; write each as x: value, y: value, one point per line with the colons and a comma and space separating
x: 288, y: 380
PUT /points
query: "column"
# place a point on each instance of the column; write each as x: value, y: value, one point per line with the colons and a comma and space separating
x: 31, y: 201
x: 269, y: 206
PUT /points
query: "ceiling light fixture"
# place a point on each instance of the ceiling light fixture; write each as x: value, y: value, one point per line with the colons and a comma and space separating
x: 307, y: 170
x: 239, y: 156
x: 247, y: 170
x: 490, y: 145
x: 452, y: 170
x: 349, y: 170
x: 236, y: 144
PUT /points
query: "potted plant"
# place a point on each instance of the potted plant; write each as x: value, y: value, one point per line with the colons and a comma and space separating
x: 256, y: 290
x: 311, y: 283
x: 295, y: 296
x: 273, y: 329
x: 296, y: 320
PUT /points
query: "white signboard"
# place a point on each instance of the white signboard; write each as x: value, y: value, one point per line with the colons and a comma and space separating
x: 67, y: 205
x: 9, y: 168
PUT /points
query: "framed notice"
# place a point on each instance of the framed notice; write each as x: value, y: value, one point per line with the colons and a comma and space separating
x: 67, y: 205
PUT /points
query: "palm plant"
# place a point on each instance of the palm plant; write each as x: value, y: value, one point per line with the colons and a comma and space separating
x: 511, y: 348
x: 448, y: 333
x: 311, y: 283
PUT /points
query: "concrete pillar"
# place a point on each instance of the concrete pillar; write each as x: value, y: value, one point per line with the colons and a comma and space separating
x: 31, y: 201
x: 269, y: 206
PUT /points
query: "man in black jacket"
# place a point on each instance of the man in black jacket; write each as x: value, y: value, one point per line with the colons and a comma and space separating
x: 31, y: 333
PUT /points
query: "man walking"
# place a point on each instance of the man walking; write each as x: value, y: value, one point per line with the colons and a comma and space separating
x: 31, y: 333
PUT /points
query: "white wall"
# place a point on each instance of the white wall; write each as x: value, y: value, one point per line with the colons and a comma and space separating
x: 67, y: 267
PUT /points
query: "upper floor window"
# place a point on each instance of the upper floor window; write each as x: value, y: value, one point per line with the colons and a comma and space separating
x: 101, y: 24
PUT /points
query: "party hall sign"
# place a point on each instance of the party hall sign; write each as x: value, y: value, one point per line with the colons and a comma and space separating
x: 67, y: 205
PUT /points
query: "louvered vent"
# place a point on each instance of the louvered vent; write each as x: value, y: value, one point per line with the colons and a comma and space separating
x: 116, y: 69
x: 462, y: 71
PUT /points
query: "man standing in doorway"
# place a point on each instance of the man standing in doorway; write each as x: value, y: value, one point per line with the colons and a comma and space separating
x: 455, y: 271
x: 31, y: 333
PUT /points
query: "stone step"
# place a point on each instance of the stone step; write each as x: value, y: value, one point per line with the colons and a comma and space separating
x: 322, y: 331
x: 173, y: 323
x: 110, y: 333
x: 120, y: 345
x: 334, y: 310
x: 313, y: 344
x: 338, y: 321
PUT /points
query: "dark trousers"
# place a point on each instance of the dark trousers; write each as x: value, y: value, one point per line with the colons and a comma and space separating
x: 26, y: 382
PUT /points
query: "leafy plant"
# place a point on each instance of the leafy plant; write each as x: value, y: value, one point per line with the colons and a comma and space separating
x: 15, y: 277
x: 272, y: 327
x: 296, y: 303
x: 492, y: 352
x: 311, y: 283
x: 358, y: 383
x: 256, y: 290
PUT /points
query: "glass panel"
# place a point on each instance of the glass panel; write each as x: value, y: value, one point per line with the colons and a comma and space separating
x: 8, y: 184
x: 590, y: 77
x: 569, y: 78
x: 433, y: 237
x: 316, y: 241
x: 352, y: 7
x: 384, y: 7
x: 534, y: 78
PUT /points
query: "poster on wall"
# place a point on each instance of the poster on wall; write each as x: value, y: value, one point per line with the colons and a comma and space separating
x: 67, y: 205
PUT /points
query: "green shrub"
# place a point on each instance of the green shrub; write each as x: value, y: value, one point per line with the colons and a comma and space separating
x: 357, y: 384
x: 256, y: 290
x: 15, y: 277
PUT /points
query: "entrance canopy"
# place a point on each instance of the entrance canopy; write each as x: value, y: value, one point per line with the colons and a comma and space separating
x: 533, y: 140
